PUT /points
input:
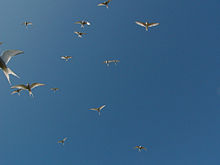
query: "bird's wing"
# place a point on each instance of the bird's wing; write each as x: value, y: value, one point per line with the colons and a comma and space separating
x: 88, y: 23
x: 101, y: 4
x: 29, y: 23
x: 78, y: 22
x: 153, y: 24
x: 76, y: 33
x: 21, y: 86
x: 93, y: 109
x: 140, y: 23
x: 8, y: 54
x: 64, y: 139
x: 102, y: 107
x: 34, y: 85
x: 13, y: 92
x: 63, y: 57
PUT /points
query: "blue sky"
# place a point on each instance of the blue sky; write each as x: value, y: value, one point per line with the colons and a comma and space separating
x: 163, y: 94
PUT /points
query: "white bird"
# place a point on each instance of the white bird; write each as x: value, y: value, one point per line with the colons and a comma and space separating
x: 66, y: 57
x: 4, y: 59
x: 26, y: 23
x: 28, y: 87
x: 146, y: 24
x: 104, y: 3
x: 16, y: 91
x: 62, y: 141
x: 140, y: 148
x: 80, y: 34
x: 98, y: 109
x: 54, y: 89
x: 83, y: 23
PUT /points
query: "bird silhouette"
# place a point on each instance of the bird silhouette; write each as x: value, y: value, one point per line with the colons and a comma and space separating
x: 106, y: 3
x: 98, y: 109
x: 146, y: 24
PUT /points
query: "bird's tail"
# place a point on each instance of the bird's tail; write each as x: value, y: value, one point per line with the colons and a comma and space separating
x: 7, y: 72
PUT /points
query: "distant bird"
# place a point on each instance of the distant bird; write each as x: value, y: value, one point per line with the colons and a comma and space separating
x: 140, y: 148
x: 98, y: 109
x: 80, y: 34
x: 26, y: 23
x: 4, y: 59
x: 66, y: 57
x: 62, y: 141
x: 28, y: 87
x: 104, y: 3
x: 17, y: 91
x: 146, y: 24
x: 83, y: 23
x: 107, y: 62
x: 54, y: 89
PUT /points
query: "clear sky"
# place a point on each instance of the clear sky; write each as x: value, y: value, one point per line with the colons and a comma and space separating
x: 164, y: 93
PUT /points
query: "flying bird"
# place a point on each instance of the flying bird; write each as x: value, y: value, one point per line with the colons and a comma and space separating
x: 146, y: 24
x: 104, y: 3
x: 107, y: 62
x: 26, y: 24
x: 98, y: 109
x: 66, y: 57
x: 80, y: 34
x: 28, y: 87
x: 140, y: 148
x: 83, y: 23
x: 4, y: 59
x: 54, y: 89
x: 16, y: 91
x: 62, y: 141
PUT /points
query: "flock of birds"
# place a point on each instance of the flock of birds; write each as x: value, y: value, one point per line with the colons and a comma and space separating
x: 8, y: 54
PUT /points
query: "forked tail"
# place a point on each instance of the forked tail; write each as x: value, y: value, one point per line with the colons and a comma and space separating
x: 7, y: 72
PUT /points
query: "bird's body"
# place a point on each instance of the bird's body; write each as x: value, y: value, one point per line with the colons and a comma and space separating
x: 66, y: 57
x: 146, y: 24
x: 54, y: 89
x: 28, y: 87
x: 98, y: 109
x: 140, y: 148
x: 80, y: 34
x: 83, y: 23
x: 62, y: 141
x: 4, y: 59
x: 106, y: 3
x: 16, y: 91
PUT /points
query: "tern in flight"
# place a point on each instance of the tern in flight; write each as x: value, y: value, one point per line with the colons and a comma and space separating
x: 62, y: 141
x: 66, y: 57
x: 16, y: 91
x: 26, y: 24
x: 4, y: 59
x: 80, y: 34
x: 28, y: 87
x: 83, y: 23
x: 98, y: 109
x: 54, y: 89
x: 140, y: 148
x: 104, y: 3
x: 146, y: 24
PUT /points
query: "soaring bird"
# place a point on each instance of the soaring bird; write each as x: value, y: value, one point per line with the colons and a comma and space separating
x: 80, y: 34
x: 16, y: 91
x: 62, y: 141
x: 146, y: 24
x: 54, y: 89
x: 28, y: 87
x: 4, y: 59
x: 107, y: 62
x: 26, y: 24
x: 83, y: 23
x: 104, y: 3
x: 66, y: 57
x: 98, y: 109
x: 140, y: 148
